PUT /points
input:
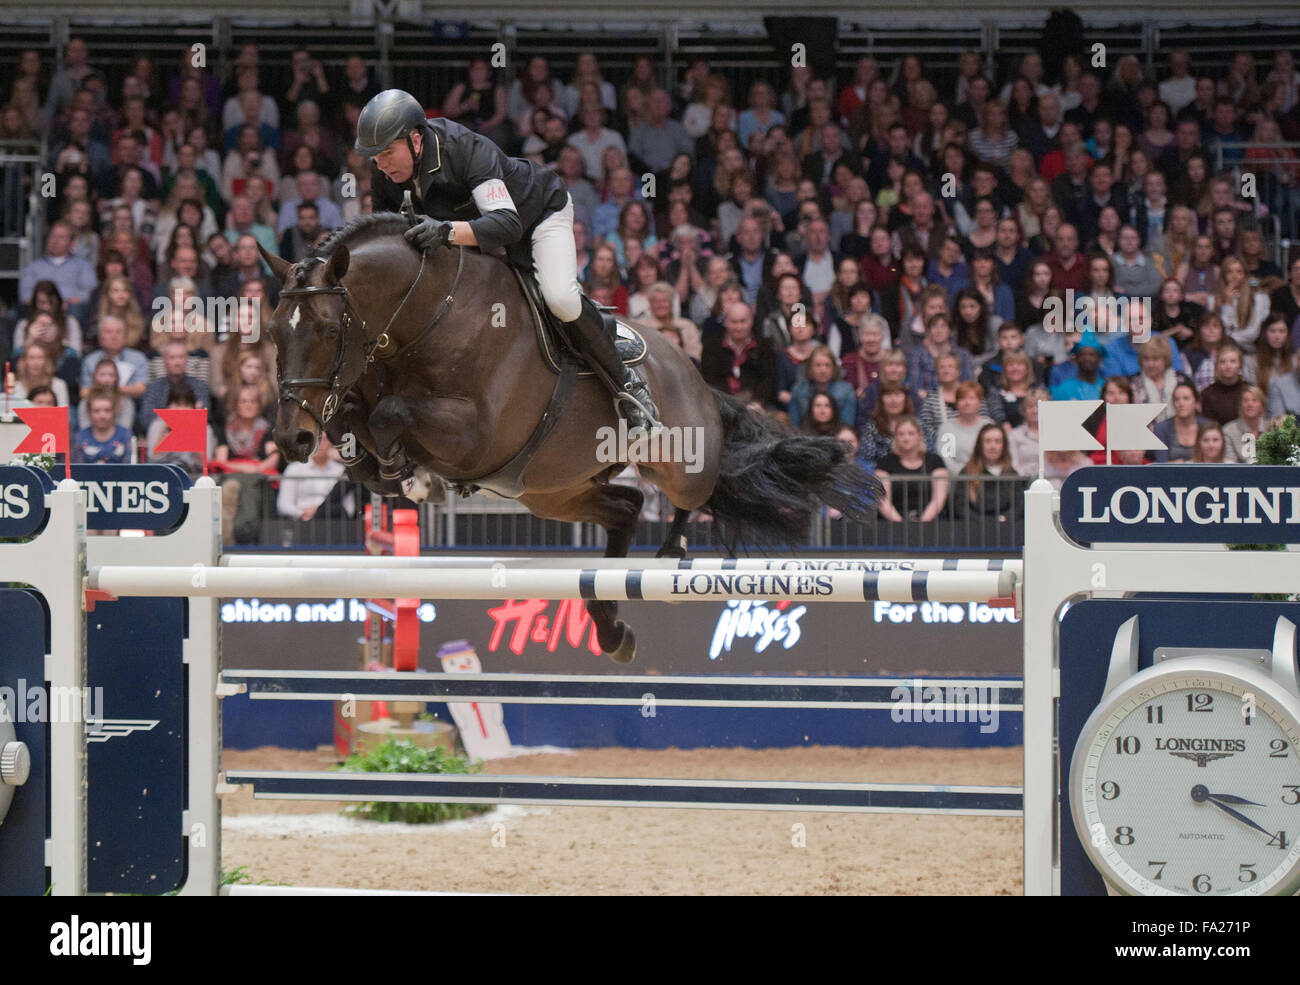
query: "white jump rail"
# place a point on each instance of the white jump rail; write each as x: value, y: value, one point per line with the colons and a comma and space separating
x: 596, y: 583
x: 1014, y: 565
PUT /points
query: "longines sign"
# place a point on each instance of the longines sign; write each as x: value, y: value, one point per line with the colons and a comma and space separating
x: 1189, y: 504
x: 118, y: 497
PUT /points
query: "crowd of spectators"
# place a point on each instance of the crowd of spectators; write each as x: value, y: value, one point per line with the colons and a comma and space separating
x: 875, y: 257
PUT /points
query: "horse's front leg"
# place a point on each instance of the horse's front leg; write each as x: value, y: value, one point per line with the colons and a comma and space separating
x: 412, y: 437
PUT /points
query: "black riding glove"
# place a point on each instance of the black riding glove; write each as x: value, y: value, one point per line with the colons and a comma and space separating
x: 428, y: 234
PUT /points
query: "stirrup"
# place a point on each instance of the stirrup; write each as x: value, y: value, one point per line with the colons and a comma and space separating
x: 624, y: 400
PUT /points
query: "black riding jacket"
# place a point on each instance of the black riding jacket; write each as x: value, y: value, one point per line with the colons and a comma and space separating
x: 464, y: 176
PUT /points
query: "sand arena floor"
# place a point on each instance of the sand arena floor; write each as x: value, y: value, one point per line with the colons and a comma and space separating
x: 608, y: 851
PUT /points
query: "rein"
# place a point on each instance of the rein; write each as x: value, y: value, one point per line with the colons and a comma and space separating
x: 369, y: 350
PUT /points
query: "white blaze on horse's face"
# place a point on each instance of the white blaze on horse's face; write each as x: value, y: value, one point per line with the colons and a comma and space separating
x: 295, y: 317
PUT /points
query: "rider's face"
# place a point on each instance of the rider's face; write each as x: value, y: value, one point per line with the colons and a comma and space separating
x: 395, y: 160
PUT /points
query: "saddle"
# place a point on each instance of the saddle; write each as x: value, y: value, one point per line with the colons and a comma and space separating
x: 567, y: 364
x: 551, y: 340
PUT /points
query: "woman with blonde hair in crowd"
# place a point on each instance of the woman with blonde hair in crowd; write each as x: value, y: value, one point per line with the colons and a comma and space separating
x: 251, y: 371
x: 699, y: 115
x: 35, y: 368
x: 250, y: 337
x: 1180, y: 241
x: 940, y: 404
x: 1037, y: 200
x: 956, y: 437
x: 1241, y: 308
x: 661, y: 314
x: 994, y: 140
x: 118, y: 298
x: 1157, y: 379
x: 904, y: 497
x: 64, y: 359
x: 1240, y: 434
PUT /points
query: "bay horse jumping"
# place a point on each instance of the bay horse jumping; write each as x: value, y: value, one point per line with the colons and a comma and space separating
x: 436, y: 356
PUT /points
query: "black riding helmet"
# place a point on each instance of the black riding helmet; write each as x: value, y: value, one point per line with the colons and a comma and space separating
x: 392, y: 114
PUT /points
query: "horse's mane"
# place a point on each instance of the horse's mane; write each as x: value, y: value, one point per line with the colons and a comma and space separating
x: 361, y: 229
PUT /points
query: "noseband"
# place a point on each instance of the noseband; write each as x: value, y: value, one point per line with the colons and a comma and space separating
x: 334, y: 382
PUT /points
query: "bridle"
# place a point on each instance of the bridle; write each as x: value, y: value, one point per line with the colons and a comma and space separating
x: 334, y: 381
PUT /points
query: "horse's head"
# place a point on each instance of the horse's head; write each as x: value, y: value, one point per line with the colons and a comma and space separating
x: 319, y: 353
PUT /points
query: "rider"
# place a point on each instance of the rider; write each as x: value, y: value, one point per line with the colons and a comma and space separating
x: 471, y: 193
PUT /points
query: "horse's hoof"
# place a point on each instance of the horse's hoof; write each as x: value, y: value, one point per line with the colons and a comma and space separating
x: 676, y: 551
x: 625, y: 652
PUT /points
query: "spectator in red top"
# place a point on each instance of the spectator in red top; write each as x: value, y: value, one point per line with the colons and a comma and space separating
x: 604, y: 286
x: 854, y: 95
x: 1069, y: 268
x: 737, y: 362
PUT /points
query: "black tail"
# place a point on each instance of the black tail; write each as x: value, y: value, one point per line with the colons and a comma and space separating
x: 772, y: 484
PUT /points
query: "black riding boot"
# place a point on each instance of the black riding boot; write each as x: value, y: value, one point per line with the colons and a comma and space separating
x: 594, y: 336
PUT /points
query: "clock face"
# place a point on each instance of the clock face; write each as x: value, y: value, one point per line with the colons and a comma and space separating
x: 1190, y: 785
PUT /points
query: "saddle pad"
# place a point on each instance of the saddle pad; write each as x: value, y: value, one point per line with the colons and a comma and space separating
x: 628, y: 340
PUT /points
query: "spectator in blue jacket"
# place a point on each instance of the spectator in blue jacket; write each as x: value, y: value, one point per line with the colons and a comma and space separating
x: 1087, y: 382
x: 822, y: 376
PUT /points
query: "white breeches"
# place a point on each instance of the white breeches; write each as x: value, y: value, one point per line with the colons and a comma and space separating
x: 555, y: 263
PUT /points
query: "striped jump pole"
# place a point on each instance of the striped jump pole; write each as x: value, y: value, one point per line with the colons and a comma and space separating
x: 603, y: 584
x: 649, y: 564
x: 567, y: 791
x: 715, y: 691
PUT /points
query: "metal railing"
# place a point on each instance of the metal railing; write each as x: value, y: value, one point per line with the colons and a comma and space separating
x: 22, y: 216
x: 994, y: 524
x: 1274, y: 190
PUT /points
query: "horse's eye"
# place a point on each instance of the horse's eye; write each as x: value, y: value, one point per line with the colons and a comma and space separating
x: 332, y: 330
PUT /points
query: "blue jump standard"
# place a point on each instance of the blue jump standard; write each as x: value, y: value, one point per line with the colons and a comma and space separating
x: 866, y: 798
x: 864, y: 693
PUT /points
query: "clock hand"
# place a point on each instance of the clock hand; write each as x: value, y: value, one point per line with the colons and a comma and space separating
x: 1228, y: 798
x: 1200, y: 794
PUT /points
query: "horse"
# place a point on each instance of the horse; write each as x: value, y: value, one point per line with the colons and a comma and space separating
x: 436, y: 356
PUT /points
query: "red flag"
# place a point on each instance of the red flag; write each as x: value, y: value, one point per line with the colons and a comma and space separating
x: 189, y: 432
x: 48, y: 435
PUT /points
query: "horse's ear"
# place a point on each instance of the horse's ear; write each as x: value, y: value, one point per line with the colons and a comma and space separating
x: 279, y: 266
x: 339, y: 260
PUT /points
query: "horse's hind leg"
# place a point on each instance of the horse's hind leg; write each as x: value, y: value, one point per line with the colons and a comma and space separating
x: 616, y: 508
x: 675, y: 543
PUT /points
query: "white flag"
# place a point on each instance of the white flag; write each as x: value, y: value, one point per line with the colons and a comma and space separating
x: 1127, y: 427
x: 1060, y: 425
